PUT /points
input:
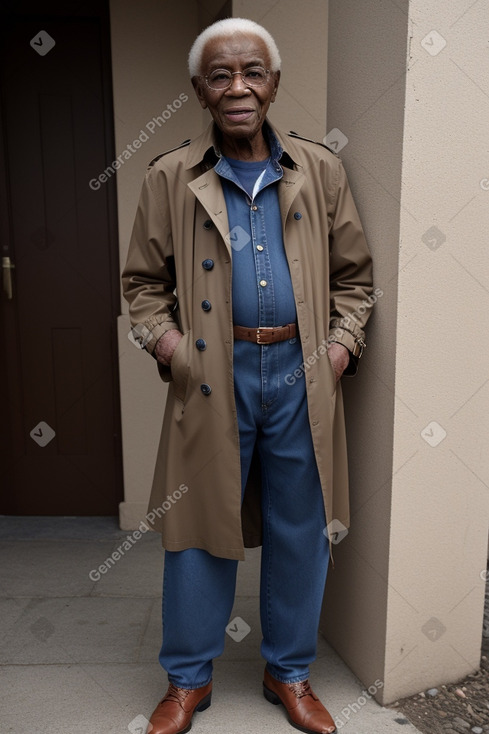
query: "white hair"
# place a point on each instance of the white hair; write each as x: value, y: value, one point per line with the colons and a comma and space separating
x: 225, y: 29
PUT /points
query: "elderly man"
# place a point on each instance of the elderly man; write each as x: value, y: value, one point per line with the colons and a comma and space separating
x: 248, y: 279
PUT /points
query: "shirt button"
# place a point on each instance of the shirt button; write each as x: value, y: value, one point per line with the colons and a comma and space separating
x: 259, y: 248
x: 201, y: 344
x: 263, y: 283
x: 297, y: 215
x: 207, y: 224
x: 206, y: 305
x: 208, y: 264
x: 206, y: 389
x: 254, y: 208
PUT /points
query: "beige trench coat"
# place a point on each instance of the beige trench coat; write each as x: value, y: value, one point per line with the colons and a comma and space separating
x: 181, y: 221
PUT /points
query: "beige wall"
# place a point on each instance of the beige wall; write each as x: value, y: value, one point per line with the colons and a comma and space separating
x: 367, y: 55
x: 405, y: 602
x: 297, y: 29
x: 440, y: 494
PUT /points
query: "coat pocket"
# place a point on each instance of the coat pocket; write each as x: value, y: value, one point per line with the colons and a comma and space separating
x: 180, y: 368
x: 331, y: 371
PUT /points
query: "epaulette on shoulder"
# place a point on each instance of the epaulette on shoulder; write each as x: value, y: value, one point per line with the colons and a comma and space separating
x: 182, y: 145
x: 300, y: 137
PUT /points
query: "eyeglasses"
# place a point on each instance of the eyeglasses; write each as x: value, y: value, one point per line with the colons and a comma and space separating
x: 220, y: 79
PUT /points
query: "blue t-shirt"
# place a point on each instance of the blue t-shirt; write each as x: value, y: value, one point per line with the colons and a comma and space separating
x: 247, y: 172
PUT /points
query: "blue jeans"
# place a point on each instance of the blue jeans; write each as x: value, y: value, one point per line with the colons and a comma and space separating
x: 199, y: 589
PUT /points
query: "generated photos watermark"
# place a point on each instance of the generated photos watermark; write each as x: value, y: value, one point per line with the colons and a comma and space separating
x: 292, y: 377
x: 140, y: 725
x: 433, y: 43
x: 238, y: 629
x: 42, y: 43
x: 335, y: 531
x: 433, y: 238
x: 335, y: 139
x: 140, y: 336
x: 97, y: 573
x: 433, y: 629
x: 346, y: 323
x: 353, y: 708
x: 433, y: 434
x: 151, y: 127
x: 42, y: 434
x: 237, y: 238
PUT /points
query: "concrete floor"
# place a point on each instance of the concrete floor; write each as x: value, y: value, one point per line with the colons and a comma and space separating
x: 79, y: 656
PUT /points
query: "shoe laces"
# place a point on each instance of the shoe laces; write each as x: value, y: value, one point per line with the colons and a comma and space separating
x: 175, y: 694
x: 301, y: 689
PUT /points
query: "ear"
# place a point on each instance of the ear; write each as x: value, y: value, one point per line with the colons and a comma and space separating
x: 199, y: 90
x: 276, y: 80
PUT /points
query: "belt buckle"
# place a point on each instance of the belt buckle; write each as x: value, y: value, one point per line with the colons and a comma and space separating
x: 264, y: 330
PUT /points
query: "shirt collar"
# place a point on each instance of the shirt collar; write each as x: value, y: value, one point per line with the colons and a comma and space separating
x: 205, y: 148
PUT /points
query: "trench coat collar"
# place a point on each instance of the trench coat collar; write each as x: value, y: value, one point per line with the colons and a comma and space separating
x: 205, y: 149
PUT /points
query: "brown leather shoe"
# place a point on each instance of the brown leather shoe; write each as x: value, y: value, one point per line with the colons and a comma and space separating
x: 304, y: 709
x: 173, y: 715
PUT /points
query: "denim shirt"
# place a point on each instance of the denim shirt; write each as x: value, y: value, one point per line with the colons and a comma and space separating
x: 261, y: 284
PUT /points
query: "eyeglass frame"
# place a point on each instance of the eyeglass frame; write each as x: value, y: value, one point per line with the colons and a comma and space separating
x: 233, y: 73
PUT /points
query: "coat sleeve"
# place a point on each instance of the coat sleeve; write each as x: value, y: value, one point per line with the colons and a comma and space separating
x: 148, y: 278
x: 350, y: 274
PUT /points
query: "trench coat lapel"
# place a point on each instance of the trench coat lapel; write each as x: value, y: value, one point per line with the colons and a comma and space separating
x: 289, y: 187
x: 208, y: 190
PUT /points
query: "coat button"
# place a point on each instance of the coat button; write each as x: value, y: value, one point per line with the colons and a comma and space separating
x: 206, y: 389
x: 201, y: 344
x: 208, y: 264
x: 206, y: 305
x: 207, y: 224
x: 297, y: 215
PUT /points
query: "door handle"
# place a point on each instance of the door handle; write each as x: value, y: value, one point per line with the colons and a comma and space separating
x: 7, y: 267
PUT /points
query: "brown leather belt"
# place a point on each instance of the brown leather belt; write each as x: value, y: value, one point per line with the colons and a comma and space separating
x: 265, y: 334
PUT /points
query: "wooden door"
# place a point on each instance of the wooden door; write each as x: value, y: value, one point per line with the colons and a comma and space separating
x: 59, y: 391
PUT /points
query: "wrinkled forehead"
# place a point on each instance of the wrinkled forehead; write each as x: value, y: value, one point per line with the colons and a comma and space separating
x: 236, y: 50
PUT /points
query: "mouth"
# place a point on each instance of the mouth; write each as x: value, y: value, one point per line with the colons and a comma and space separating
x: 238, y: 114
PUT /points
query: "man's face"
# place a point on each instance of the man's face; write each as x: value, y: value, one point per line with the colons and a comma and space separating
x: 238, y: 111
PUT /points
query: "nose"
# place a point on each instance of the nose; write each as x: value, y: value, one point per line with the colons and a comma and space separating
x: 237, y: 85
